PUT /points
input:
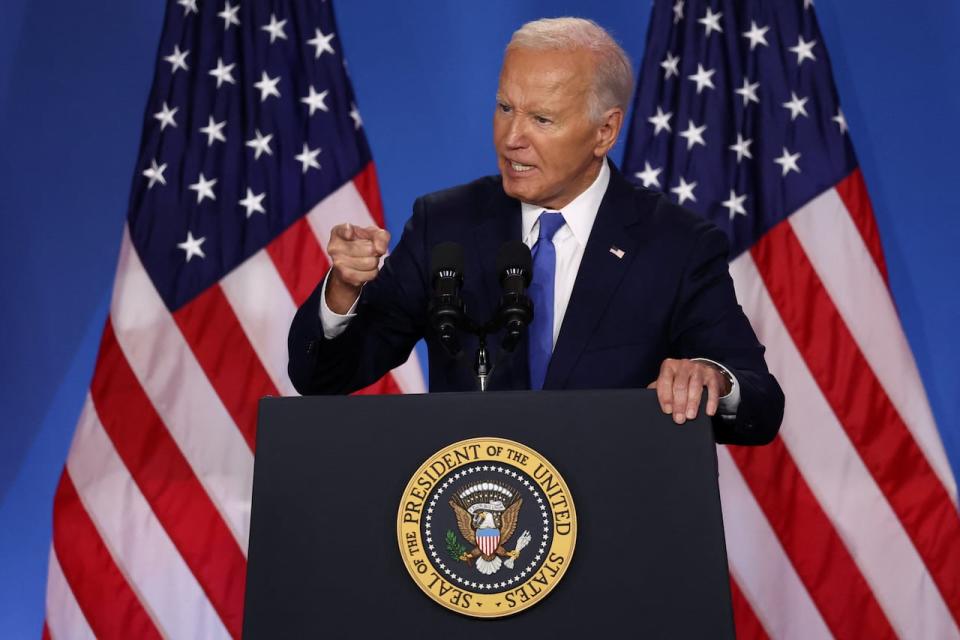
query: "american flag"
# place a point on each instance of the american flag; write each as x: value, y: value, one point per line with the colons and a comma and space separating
x: 252, y: 149
x: 847, y: 525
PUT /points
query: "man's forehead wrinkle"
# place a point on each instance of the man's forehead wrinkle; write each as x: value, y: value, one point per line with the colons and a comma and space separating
x: 550, y: 89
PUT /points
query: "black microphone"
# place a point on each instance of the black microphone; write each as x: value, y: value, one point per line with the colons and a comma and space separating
x: 446, y: 309
x: 515, y: 268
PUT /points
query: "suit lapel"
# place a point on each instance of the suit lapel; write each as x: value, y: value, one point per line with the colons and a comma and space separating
x: 599, y: 276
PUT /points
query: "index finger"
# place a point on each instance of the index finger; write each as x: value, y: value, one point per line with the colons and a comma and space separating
x: 345, y: 231
x: 379, y: 237
x: 664, y: 386
x: 367, y: 233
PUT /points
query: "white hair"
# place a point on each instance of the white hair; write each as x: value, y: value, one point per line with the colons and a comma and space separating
x: 613, y: 81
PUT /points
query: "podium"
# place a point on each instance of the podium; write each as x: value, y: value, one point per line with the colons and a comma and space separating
x: 330, y: 472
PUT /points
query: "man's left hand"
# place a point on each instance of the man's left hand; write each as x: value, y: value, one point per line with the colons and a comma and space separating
x: 680, y: 386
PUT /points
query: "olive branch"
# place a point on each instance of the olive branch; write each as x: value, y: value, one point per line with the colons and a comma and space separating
x: 454, y: 548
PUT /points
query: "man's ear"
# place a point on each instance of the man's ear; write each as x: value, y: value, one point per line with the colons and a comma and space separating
x: 608, y: 131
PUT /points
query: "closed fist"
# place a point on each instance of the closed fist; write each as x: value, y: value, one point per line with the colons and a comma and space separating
x: 355, y: 254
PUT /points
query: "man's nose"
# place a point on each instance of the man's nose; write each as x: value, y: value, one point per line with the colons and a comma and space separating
x: 516, y: 134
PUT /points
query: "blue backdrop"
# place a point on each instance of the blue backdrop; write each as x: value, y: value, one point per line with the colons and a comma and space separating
x: 73, y: 86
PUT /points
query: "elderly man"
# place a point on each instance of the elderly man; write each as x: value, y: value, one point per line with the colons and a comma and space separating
x: 633, y: 291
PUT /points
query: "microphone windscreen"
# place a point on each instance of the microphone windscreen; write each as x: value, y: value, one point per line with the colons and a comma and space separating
x: 446, y: 256
x: 514, y: 254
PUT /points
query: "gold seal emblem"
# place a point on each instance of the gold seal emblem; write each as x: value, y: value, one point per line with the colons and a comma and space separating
x: 486, y: 527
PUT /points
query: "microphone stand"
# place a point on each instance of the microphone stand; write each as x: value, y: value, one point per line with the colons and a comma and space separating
x: 481, y: 364
x: 448, y: 313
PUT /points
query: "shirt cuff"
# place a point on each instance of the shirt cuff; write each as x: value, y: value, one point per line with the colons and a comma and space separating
x: 334, y: 323
x: 729, y: 403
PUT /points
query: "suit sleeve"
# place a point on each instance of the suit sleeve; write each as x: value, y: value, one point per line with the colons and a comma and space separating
x: 708, y: 322
x: 391, y: 318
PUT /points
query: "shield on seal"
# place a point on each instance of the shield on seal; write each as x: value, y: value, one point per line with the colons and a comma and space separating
x: 488, y: 540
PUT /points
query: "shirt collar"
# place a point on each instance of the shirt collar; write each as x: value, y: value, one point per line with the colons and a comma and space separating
x: 579, y: 214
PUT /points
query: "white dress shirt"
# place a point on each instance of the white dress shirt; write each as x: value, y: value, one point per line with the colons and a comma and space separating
x: 570, y: 241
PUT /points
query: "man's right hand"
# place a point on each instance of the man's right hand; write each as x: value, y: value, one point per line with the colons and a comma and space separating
x: 355, y: 254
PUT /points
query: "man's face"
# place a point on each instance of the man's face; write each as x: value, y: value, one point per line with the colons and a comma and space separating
x: 548, y: 150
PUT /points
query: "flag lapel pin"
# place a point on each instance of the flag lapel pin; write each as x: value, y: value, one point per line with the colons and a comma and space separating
x: 617, y: 251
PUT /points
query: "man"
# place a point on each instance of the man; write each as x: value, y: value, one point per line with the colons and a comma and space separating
x: 631, y: 288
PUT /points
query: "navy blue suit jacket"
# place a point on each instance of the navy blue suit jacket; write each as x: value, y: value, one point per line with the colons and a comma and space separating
x: 669, y: 296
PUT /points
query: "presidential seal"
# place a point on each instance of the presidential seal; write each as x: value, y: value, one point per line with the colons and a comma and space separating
x: 486, y: 527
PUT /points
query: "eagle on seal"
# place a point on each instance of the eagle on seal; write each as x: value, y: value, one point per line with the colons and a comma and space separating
x: 487, y: 514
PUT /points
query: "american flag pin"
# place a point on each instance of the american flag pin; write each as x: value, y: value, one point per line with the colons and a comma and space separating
x: 617, y: 252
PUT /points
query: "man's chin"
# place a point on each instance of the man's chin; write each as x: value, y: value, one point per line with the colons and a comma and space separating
x: 516, y: 188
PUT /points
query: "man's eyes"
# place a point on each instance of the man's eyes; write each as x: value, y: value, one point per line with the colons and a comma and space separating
x: 503, y: 107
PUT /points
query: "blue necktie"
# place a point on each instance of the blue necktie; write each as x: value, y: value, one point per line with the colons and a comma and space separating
x: 541, y: 293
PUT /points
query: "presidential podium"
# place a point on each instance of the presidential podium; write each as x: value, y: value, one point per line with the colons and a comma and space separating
x: 330, y: 473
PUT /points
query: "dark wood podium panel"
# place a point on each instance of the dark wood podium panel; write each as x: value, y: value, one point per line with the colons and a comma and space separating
x: 649, y: 562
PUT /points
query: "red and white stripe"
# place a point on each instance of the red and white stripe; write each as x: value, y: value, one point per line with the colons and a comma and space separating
x: 152, y: 513
x: 488, y: 542
x: 847, y: 525
x: 64, y: 617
